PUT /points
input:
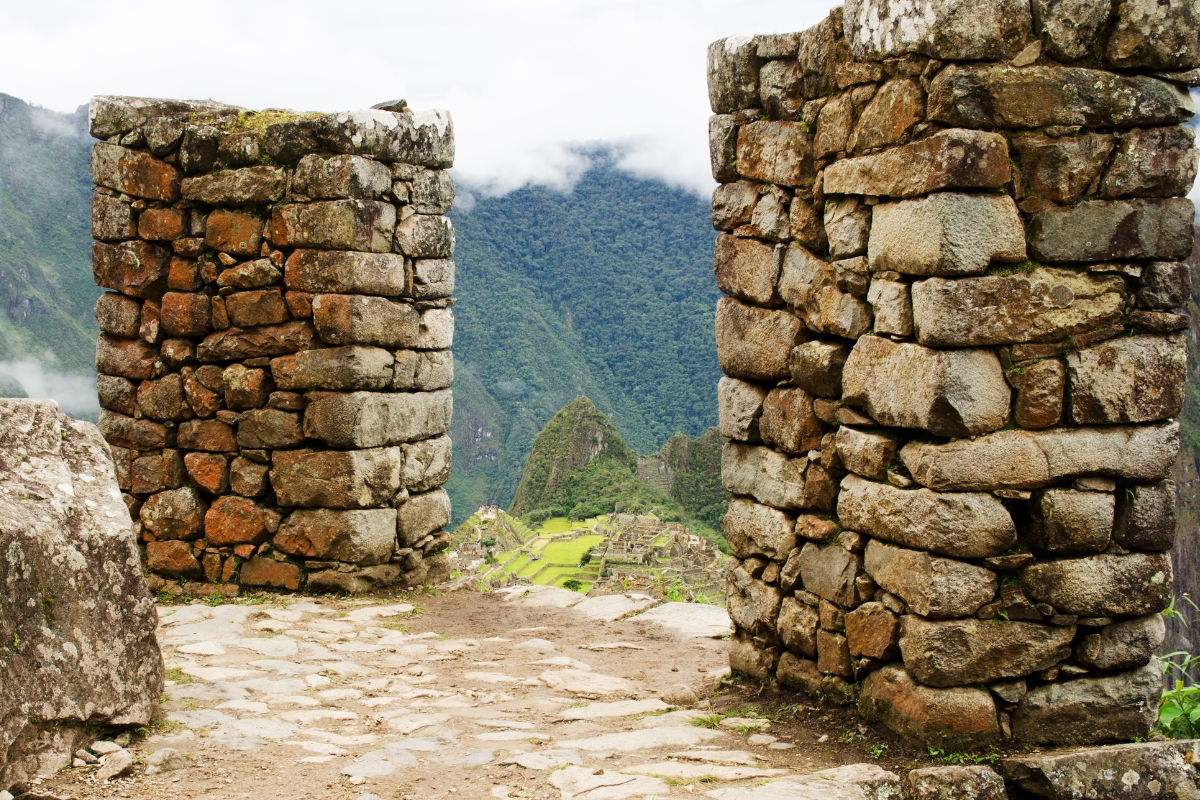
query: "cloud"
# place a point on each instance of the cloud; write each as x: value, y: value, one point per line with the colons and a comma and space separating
x: 76, y: 394
x: 527, y: 81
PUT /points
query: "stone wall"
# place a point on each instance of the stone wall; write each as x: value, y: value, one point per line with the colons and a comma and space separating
x: 953, y: 352
x: 274, y: 359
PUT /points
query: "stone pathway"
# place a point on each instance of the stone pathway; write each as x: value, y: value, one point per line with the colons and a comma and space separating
x: 529, y: 692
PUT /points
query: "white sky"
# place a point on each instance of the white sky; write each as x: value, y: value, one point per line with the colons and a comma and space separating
x: 523, y: 79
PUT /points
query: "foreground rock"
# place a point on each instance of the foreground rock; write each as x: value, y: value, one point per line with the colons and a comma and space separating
x: 77, y: 616
x: 1137, y: 771
x: 1114, y: 708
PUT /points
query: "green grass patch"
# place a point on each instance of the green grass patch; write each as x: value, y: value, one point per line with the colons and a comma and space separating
x: 570, y: 552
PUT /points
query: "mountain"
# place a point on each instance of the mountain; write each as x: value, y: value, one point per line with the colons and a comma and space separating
x: 579, y: 466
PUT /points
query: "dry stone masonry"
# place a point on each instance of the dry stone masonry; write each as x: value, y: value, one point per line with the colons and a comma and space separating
x: 951, y: 247
x: 274, y: 360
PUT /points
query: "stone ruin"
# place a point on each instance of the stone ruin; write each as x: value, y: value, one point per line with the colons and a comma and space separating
x: 77, y: 622
x: 274, y: 360
x: 952, y: 338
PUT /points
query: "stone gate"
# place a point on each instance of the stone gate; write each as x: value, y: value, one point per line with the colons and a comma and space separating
x: 952, y: 246
x: 274, y: 360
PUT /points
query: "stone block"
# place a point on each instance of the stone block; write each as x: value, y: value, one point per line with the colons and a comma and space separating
x: 747, y: 269
x: 809, y: 285
x: 833, y: 655
x: 797, y: 627
x: 432, y: 278
x: 754, y: 343
x: 739, y: 407
x: 829, y: 572
x: 873, y: 632
x: 975, y: 781
x: 259, y: 571
x: 426, y: 464
x: 958, y: 652
x: 154, y: 473
x: 895, y: 108
x: 268, y: 340
x: 867, y: 454
x: 238, y: 520
x: 946, y: 234
x: 1145, y: 517
x: 817, y: 52
x: 234, y: 232
x: 161, y: 224
x: 788, y: 422
x: 953, y: 158
x: 421, y: 515
x: 1101, y: 585
x: 116, y: 394
x: 847, y: 226
x: 1158, y: 162
x: 436, y: 331
x: 337, y: 368
x: 958, y: 524
x: 754, y: 529
x: 1159, y: 36
x: 753, y: 605
x: 251, y: 275
x: 722, y: 147
x: 1128, y: 379
x: 172, y: 558
x: 807, y: 227
x: 237, y: 187
x: 136, y: 269
x: 432, y: 192
x: 118, y: 315
x: 834, y: 124
x: 733, y: 68
x: 185, y: 314
x: 948, y: 393
x: 109, y: 115
x: 163, y: 399
x: 878, y: 29
x: 268, y: 429
x: 112, y: 219
x: 1035, y: 459
x: 938, y: 588
x: 175, y: 514
x: 1123, y: 645
x: 344, y: 176
x: 365, y: 225
x: 1071, y: 27
x: 1063, y: 168
x: 1043, y: 305
x: 371, y: 419
x: 127, y: 358
x: 733, y: 204
x: 749, y: 659
x: 136, y: 434
x: 359, y: 537
x: 1112, y: 708
x: 248, y: 478
x: 802, y: 674
x: 209, y: 435
x: 343, y: 479
x: 958, y: 718
x: 1034, y: 97
x: 134, y: 173
x: 244, y: 387
x: 1163, y: 769
x: 779, y: 88
x: 1110, y: 230
x: 760, y: 472
x: 1165, y: 285
x: 346, y: 272
x: 892, y: 306
x: 816, y: 367
x: 775, y: 152
x: 425, y: 236
x: 1064, y: 522
x: 256, y: 307
x: 423, y: 370
x: 358, y: 319
x: 209, y: 471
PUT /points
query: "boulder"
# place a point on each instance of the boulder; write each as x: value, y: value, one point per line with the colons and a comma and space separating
x: 816, y: 367
x: 1141, y: 771
x: 834, y: 123
x: 754, y: 529
x: 946, y: 392
x: 345, y: 272
x: 1127, y: 379
x: 335, y: 478
x: 866, y: 454
x: 90, y: 659
x: 768, y: 476
x: 739, y: 407
x: 260, y: 571
x: 1159, y: 162
x: 973, y: 782
x: 733, y: 67
x: 1110, y: 230
x: 1145, y: 517
x: 754, y: 343
x: 1063, y: 168
x: 878, y: 29
x: 1000, y: 96
x: 797, y: 627
x: 957, y: 652
x: 135, y: 173
x: 1101, y: 585
x: 1042, y: 305
x: 829, y: 572
x: 810, y: 286
x: 359, y: 537
x: 951, y: 159
x: 775, y: 152
x: 1070, y: 27
x: 788, y: 422
x: 933, y: 587
x: 1127, y: 644
x: 1034, y: 459
x: 1065, y: 522
x: 1113, y: 708
x: 374, y: 419
x: 945, y: 234
x: 1039, y: 388
x: 1147, y: 34
x: 958, y: 524
x: 958, y: 719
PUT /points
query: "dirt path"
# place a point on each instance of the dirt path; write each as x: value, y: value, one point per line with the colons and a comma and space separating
x: 506, y: 694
